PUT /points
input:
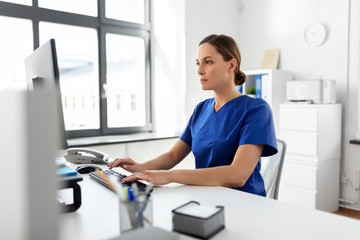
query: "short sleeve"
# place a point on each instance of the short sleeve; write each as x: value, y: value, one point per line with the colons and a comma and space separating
x: 186, y: 136
x: 259, y: 128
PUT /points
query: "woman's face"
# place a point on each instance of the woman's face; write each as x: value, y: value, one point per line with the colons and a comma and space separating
x: 213, y: 71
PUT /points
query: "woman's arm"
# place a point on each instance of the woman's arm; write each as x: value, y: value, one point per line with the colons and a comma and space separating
x: 234, y: 175
x: 169, y: 159
x: 163, y: 162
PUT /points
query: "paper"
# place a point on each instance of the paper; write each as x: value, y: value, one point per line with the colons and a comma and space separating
x: 196, y: 210
x: 271, y: 59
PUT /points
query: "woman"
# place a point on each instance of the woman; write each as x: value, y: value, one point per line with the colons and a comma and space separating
x: 227, y: 134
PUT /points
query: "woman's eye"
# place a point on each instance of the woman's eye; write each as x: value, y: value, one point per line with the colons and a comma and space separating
x: 208, y: 62
x: 197, y: 63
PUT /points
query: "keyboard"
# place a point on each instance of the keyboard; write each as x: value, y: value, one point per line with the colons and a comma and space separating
x: 107, y: 172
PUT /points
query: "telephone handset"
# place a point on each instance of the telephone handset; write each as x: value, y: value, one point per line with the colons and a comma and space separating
x: 86, y: 156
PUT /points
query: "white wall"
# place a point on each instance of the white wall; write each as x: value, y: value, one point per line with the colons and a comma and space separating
x: 351, y: 152
x: 168, y: 65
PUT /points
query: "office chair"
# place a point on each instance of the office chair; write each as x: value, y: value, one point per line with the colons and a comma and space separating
x: 271, y: 168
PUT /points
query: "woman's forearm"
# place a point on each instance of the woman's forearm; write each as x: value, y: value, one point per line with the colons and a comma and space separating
x: 234, y: 175
x: 227, y: 176
x: 169, y: 159
x: 162, y: 162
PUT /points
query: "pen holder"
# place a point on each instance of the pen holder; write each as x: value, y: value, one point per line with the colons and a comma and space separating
x: 135, y: 214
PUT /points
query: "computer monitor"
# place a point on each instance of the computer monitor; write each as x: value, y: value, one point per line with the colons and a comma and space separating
x: 42, y: 72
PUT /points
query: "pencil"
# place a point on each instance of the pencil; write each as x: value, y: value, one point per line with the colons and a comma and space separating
x: 106, y: 180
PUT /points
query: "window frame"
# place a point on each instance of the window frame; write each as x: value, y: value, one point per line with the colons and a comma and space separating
x: 103, y: 26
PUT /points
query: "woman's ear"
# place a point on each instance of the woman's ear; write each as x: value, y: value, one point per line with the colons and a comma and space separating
x: 233, y: 65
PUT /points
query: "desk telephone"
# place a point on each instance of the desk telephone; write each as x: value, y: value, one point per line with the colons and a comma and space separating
x: 86, y: 156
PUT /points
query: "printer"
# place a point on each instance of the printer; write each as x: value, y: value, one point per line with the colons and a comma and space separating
x: 311, y: 91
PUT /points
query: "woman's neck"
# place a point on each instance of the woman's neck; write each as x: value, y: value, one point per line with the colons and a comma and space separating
x: 222, y: 97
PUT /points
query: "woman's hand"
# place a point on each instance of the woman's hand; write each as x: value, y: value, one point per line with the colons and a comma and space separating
x: 156, y: 177
x: 126, y: 163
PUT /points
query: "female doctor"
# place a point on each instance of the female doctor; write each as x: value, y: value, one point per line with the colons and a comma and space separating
x: 227, y: 134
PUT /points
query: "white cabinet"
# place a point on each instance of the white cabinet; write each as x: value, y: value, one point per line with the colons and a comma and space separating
x: 311, y: 172
x: 269, y: 84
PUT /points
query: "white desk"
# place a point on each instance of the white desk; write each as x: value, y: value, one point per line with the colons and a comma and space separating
x: 246, y: 216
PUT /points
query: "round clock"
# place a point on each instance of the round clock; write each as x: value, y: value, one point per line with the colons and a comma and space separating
x: 315, y: 34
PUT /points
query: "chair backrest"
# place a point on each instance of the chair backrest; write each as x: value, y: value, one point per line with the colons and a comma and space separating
x: 271, y: 168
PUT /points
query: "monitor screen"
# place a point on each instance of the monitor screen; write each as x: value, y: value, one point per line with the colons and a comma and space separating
x: 42, y: 72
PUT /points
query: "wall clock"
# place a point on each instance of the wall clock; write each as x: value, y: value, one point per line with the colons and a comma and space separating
x: 315, y: 34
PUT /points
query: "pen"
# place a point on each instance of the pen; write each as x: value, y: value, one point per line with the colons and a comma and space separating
x: 148, y: 191
x: 139, y: 214
x: 106, y: 180
x: 130, y: 194
x: 125, y: 194
x: 135, y: 190
x: 144, y: 204
x: 128, y: 202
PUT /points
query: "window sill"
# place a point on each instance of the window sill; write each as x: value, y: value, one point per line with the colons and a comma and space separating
x: 114, y: 139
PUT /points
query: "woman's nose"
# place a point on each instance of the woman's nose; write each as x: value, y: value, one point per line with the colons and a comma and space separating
x: 200, y: 70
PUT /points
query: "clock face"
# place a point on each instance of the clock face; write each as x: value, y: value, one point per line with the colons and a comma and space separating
x: 315, y: 34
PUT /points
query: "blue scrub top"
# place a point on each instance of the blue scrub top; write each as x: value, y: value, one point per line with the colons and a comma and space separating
x: 214, y: 137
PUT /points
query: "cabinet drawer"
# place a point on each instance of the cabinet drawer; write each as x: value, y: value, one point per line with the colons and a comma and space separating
x: 299, y: 175
x: 305, y: 143
x: 300, y: 119
x: 297, y: 196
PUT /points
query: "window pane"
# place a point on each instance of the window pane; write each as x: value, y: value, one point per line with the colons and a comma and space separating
x: 125, y: 10
x: 77, y: 52
x: 85, y: 7
x: 125, y: 68
x: 24, y: 2
x: 15, y: 46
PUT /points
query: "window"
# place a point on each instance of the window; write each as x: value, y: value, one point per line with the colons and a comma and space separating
x: 125, y: 10
x: 78, y: 60
x: 103, y: 57
x: 85, y: 7
x: 14, y: 48
x: 125, y: 77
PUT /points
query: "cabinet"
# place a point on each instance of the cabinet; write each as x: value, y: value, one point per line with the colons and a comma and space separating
x: 311, y: 171
x: 269, y: 84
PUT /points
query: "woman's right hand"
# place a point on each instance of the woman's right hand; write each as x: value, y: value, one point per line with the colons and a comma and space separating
x: 126, y: 163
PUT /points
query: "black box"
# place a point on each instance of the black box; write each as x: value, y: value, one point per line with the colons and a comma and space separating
x: 198, y: 221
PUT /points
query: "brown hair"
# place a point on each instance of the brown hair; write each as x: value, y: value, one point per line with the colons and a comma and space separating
x: 229, y: 49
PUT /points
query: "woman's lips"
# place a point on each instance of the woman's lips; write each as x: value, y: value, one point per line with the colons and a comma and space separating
x: 202, y: 80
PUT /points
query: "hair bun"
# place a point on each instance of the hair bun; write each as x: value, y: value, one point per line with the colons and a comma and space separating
x: 240, y: 78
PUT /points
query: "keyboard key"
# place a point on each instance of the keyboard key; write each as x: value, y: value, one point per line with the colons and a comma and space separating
x: 95, y: 176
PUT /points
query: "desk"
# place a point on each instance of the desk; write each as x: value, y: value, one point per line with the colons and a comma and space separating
x: 247, y: 216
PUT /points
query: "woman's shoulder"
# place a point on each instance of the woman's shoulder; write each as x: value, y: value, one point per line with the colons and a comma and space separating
x: 252, y: 103
x: 204, y: 103
x: 249, y: 106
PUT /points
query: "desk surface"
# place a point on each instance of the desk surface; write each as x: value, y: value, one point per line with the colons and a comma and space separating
x: 247, y: 216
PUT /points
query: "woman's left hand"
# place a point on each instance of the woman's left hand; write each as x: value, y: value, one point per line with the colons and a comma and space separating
x: 156, y: 177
